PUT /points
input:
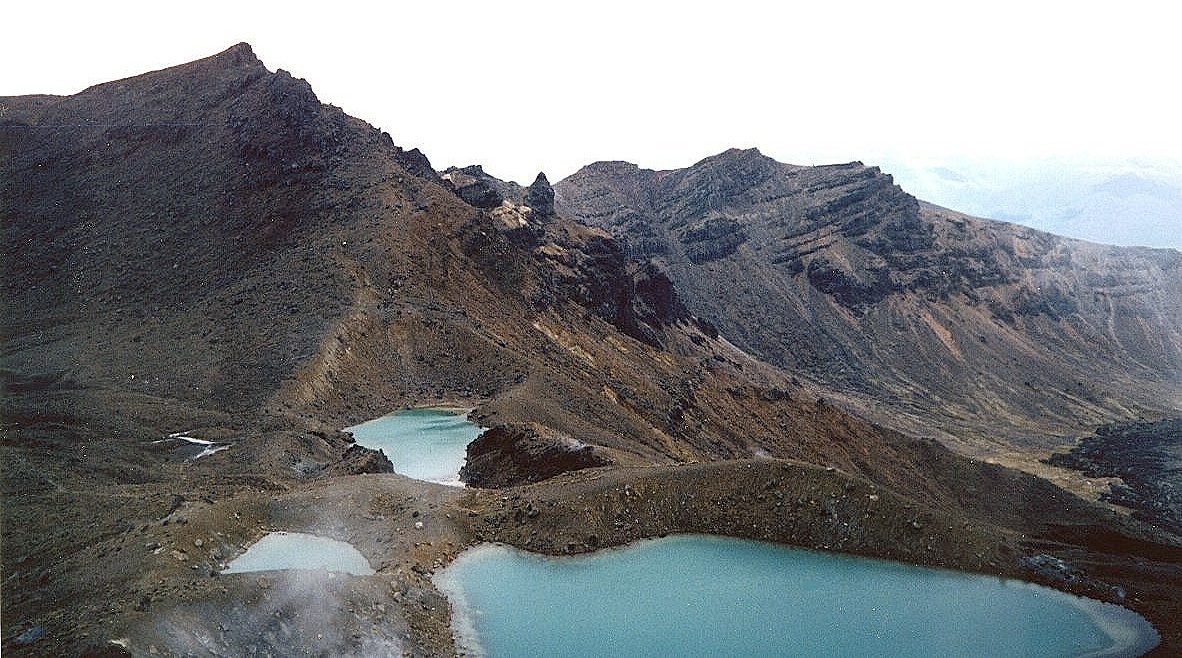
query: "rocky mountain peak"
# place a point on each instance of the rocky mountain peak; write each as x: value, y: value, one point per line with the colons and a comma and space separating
x: 609, y: 168
x: 540, y: 196
x: 738, y: 167
x: 236, y: 65
x: 240, y: 55
x: 739, y: 155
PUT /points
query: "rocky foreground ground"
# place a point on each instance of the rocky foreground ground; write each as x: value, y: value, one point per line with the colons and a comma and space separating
x: 142, y: 576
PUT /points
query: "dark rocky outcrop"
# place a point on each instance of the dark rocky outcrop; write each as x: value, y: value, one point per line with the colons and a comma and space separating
x: 358, y: 460
x: 589, y: 266
x: 856, y: 291
x: 413, y: 161
x: 539, y: 196
x: 582, y: 264
x: 518, y: 454
x: 712, y: 238
x: 1147, y: 457
x: 475, y: 187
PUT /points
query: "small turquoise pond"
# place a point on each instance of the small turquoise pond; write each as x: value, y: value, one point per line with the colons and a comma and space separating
x: 693, y: 595
x: 296, y: 550
x: 425, y: 444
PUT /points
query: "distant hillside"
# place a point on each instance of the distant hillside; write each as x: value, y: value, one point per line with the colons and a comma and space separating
x: 977, y: 328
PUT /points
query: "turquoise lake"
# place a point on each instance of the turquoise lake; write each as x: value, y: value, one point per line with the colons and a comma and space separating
x: 425, y: 444
x: 694, y: 595
x: 297, y: 550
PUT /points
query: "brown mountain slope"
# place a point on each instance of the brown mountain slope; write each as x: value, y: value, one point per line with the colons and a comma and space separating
x: 210, y: 248
x: 938, y: 322
x: 172, y: 212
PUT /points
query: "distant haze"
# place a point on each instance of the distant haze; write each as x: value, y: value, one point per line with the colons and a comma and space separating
x: 1129, y: 202
x: 522, y: 87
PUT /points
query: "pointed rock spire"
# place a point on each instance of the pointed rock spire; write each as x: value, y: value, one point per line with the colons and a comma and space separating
x: 540, y: 196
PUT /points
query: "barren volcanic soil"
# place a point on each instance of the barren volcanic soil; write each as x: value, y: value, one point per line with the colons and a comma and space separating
x: 210, y: 252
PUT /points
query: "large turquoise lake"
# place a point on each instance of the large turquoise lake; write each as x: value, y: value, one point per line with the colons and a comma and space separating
x: 425, y: 444
x: 693, y: 595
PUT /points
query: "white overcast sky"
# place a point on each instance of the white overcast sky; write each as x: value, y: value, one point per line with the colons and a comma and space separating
x: 526, y: 86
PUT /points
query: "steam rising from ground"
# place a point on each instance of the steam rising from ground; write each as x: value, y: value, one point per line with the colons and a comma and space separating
x: 284, y: 613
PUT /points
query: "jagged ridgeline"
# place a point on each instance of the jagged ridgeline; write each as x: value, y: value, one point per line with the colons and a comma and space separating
x: 207, y: 272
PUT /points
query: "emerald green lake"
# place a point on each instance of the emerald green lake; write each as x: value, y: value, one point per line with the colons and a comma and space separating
x: 693, y: 595
x: 425, y: 444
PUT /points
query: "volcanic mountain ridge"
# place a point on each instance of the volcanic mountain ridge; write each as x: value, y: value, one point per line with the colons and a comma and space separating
x: 976, y: 331
x: 210, y: 250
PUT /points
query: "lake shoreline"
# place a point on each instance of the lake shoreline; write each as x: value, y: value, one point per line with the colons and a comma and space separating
x: 653, y: 583
x: 782, y: 501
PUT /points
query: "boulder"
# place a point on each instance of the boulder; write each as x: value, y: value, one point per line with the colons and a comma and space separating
x: 508, y: 455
